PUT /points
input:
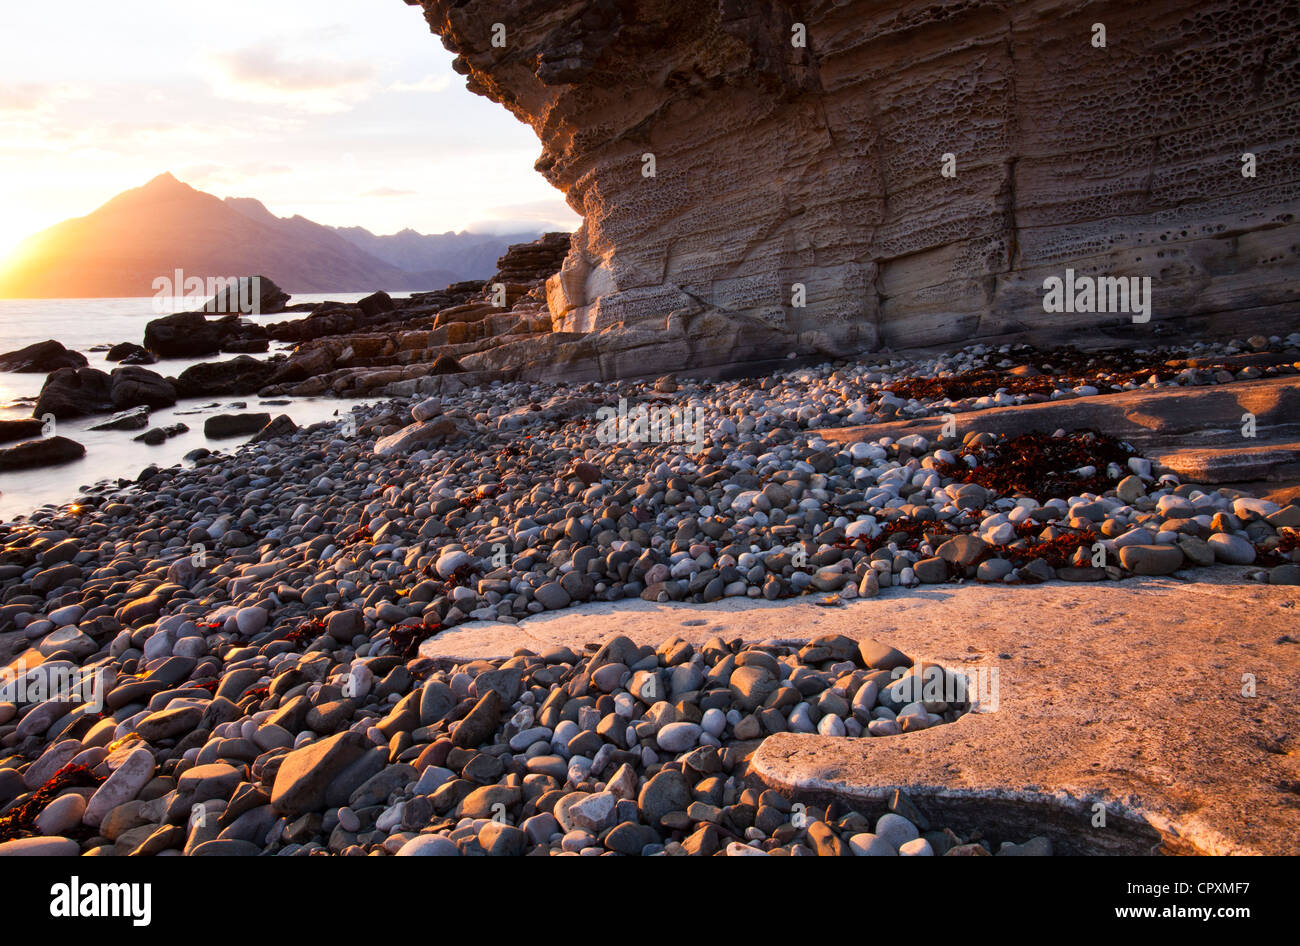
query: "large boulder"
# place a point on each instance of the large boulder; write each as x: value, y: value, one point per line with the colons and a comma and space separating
x: 240, y: 336
x: 42, y: 357
x: 418, y: 436
x: 306, y: 362
x: 183, y: 335
x: 251, y: 295
x: 44, y: 452
x: 75, y: 392
x: 281, y: 426
x: 242, y: 375
x: 25, y: 429
x: 376, y: 304
x: 302, y: 783
x: 133, y: 386
x: 129, y: 353
x: 234, y: 425
x: 194, y: 334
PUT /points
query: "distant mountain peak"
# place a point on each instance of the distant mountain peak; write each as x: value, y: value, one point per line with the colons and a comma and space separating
x: 166, y: 181
x: 122, y: 247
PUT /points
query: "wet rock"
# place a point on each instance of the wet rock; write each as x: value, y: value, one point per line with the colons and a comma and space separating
x: 22, y: 429
x: 133, y: 386
x: 232, y: 378
x: 281, y: 426
x: 182, y: 335
x: 234, y: 425
x: 45, y: 452
x: 137, y: 418
x: 75, y: 392
x: 42, y: 357
x: 129, y: 353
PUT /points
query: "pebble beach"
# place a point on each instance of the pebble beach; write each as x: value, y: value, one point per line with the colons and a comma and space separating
x: 252, y: 619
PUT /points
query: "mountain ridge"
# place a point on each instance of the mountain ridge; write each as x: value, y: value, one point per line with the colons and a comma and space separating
x: 120, y: 249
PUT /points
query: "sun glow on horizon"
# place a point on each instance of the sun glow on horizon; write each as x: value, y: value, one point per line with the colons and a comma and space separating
x: 359, y: 121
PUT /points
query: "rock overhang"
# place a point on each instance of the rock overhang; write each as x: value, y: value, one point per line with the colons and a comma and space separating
x: 821, y: 165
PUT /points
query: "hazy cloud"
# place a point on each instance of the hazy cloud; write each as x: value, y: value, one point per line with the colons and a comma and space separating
x: 264, y: 73
x: 22, y: 98
x: 209, y: 175
x: 552, y: 214
x: 388, y: 192
x: 427, y: 84
x: 36, y: 96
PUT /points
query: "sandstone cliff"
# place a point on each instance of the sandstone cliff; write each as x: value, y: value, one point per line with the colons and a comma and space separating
x: 777, y: 164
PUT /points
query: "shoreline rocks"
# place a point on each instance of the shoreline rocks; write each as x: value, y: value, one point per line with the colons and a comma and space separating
x: 42, y: 357
x: 244, y: 611
x: 234, y: 425
x: 47, y: 451
x: 11, y: 430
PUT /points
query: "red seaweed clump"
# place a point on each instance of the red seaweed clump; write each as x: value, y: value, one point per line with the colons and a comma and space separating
x: 966, y: 384
x: 1280, y: 553
x: 1058, y: 551
x: 20, y: 821
x: 407, y: 638
x: 909, y: 533
x: 1041, y: 466
x: 306, y: 632
x: 1058, y: 368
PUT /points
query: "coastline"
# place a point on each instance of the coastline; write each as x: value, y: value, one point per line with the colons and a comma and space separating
x: 272, y: 616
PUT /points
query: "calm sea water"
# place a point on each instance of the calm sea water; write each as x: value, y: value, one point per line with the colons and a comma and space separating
x: 82, y: 324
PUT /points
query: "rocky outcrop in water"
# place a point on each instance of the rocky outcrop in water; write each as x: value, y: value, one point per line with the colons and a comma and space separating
x: 46, y: 451
x: 720, y: 165
x: 42, y: 357
x: 431, y: 342
x: 76, y: 392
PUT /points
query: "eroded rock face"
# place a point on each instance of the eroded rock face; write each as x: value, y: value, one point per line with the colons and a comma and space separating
x: 821, y: 165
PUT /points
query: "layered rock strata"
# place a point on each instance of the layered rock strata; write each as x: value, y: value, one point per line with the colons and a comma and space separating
x: 718, y: 164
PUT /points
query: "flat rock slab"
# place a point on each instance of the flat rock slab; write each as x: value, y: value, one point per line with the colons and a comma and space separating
x: 1128, y: 695
x: 1195, y: 432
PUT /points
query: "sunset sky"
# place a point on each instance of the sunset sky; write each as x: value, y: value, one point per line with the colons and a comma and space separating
x: 344, y: 111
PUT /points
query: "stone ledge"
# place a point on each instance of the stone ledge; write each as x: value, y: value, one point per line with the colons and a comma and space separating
x: 1126, y: 693
x: 1192, y: 431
